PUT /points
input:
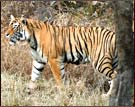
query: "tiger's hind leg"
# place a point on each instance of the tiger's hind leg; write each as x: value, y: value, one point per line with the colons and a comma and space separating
x: 105, y: 66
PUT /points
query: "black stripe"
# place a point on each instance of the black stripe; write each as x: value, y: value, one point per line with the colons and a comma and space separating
x: 83, y: 39
x: 104, y: 69
x: 86, y: 47
x: 92, y: 31
x: 79, y: 56
x: 115, y: 64
x: 105, y: 41
x: 41, y: 62
x: 39, y: 69
x: 12, y: 41
x: 80, y: 45
x: 97, y: 34
x: 102, y: 61
x: 55, y: 31
x: 62, y: 68
x: 58, y: 30
x: 100, y: 37
x: 85, y: 34
x: 107, y: 38
x: 63, y: 49
x: 74, y: 35
x: 70, y: 46
x: 100, y: 51
x: 65, y: 57
x: 46, y: 25
x: 107, y: 63
x: 36, y: 24
x: 111, y: 46
x: 33, y: 42
x: 40, y: 26
x: 36, y: 73
x: 101, y: 32
x: 109, y: 72
x: 98, y: 58
x: 90, y: 38
x: 80, y: 33
x: 63, y: 76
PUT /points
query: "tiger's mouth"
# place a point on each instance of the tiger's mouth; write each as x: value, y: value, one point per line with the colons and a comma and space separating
x: 13, y: 40
x: 16, y: 37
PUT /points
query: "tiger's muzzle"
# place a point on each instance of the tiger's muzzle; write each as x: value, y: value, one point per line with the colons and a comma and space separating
x: 14, y: 38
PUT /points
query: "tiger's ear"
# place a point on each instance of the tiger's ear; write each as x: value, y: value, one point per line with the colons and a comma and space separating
x: 12, y: 17
x: 24, y: 21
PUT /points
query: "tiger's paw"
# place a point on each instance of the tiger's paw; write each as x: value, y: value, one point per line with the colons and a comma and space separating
x: 32, y: 86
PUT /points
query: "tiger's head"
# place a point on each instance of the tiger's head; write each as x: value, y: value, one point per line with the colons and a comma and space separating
x: 17, y: 30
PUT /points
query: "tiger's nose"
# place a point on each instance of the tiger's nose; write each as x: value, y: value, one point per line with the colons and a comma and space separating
x: 7, y: 35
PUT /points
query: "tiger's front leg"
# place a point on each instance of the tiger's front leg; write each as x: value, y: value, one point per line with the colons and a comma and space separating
x: 37, y: 68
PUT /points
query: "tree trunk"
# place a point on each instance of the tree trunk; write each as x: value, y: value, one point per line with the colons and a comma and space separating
x: 122, y: 93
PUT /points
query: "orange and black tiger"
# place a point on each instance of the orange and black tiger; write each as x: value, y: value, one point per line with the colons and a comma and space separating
x: 58, y: 45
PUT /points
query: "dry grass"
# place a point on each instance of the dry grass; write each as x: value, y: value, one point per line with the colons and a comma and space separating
x: 14, y: 93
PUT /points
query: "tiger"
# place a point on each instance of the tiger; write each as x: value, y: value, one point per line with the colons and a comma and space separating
x: 58, y: 45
